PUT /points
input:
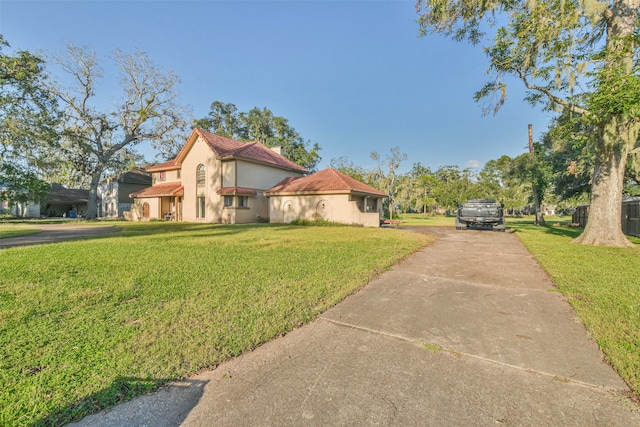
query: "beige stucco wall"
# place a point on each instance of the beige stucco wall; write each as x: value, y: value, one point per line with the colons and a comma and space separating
x: 155, y: 209
x: 253, y: 175
x: 332, y: 207
x: 200, y: 153
x: 170, y: 176
x: 257, y: 211
x: 232, y: 173
x: 229, y: 173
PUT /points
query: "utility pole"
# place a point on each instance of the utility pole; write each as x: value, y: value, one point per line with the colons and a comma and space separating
x: 534, y: 183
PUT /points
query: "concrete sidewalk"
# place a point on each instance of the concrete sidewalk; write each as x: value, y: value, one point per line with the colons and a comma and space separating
x: 468, y: 331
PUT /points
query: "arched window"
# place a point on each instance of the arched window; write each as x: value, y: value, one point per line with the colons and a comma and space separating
x: 200, y: 176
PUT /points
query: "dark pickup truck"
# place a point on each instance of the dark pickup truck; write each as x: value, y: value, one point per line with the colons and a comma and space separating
x: 480, y: 213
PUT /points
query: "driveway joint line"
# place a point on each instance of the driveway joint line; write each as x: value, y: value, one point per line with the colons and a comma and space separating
x: 457, y: 353
x: 481, y: 285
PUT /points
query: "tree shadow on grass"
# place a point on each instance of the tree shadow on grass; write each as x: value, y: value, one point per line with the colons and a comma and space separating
x: 554, y: 230
x: 168, y: 405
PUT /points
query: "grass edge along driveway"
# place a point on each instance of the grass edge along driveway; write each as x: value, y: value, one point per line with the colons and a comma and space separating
x: 85, y: 325
x: 601, y: 285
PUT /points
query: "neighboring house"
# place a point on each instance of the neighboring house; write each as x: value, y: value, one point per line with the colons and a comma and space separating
x: 67, y: 202
x: 29, y: 209
x: 329, y: 195
x: 214, y: 179
x: 114, y: 192
x: 20, y: 210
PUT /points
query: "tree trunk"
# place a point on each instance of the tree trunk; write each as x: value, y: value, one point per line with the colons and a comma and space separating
x: 604, y: 224
x: 92, y: 203
x: 617, y: 135
x: 534, y: 180
x: 536, y: 205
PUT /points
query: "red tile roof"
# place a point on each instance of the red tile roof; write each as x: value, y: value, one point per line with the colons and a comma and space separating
x: 158, y: 190
x: 226, y: 148
x: 240, y: 191
x: 326, y: 181
x: 171, y: 164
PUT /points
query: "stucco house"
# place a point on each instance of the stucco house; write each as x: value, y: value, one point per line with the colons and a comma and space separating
x: 329, y: 195
x: 214, y: 179
x: 114, y: 192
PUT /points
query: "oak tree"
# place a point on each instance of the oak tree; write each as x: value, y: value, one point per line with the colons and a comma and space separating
x: 581, y: 56
x: 94, y: 138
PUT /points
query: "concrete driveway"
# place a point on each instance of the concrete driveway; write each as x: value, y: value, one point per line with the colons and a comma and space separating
x: 467, y: 332
x: 58, y: 232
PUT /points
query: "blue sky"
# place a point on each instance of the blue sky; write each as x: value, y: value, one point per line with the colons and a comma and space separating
x: 352, y: 76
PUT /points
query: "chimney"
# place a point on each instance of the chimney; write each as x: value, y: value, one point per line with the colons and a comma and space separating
x: 277, y: 149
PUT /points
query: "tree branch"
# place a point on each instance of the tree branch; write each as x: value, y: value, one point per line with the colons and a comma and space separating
x: 553, y: 98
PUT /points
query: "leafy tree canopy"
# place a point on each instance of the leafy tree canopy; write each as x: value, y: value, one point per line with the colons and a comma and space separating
x: 28, y: 116
x: 263, y: 126
x: 347, y: 167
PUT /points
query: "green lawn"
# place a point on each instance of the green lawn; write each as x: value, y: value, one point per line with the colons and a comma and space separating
x: 87, y: 324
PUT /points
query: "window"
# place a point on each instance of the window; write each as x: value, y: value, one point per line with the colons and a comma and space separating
x: 199, y: 207
x: 243, y: 201
x: 228, y: 201
x: 162, y: 176
x: 178, y: 173
x: 200, y: 176
x: 371, y: 204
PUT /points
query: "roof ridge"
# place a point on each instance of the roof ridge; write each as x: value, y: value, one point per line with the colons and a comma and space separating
x: 327, y: 179
x: 345, y: 178
x: 245, y: 146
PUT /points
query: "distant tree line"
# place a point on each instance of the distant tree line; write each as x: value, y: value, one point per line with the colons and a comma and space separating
x: 561, y: 170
